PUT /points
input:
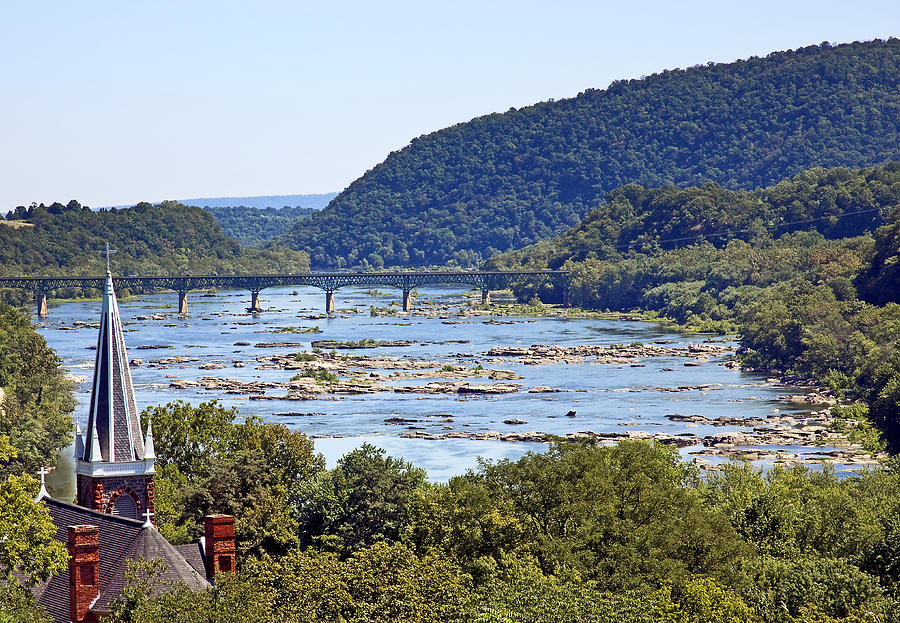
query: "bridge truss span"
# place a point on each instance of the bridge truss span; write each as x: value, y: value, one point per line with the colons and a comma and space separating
x: 41, y: 287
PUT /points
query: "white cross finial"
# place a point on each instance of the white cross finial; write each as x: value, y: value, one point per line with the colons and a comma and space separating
x: 43, y: 492
x: 148, y: 515
x: 107, y: 253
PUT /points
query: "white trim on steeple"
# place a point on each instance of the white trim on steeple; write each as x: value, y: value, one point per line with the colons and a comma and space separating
x: 96, y: 456
x: 149, y: 449
x: 79, y: 442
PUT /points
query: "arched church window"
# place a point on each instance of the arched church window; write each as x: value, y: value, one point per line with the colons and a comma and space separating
x: 125, y: 507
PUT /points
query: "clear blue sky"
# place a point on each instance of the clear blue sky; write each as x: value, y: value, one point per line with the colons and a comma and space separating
x: 117, y: 102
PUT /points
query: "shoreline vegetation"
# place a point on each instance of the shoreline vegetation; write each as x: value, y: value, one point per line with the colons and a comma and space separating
x: 818, y: 304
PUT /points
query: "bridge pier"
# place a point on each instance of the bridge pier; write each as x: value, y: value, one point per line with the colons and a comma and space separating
x: 182, y: 303
x: 41, y: 300
x: 407, y: 301
x: 567, y: 302
x: 485, y: 297
x: 329, y: 301
x: 254, y: 302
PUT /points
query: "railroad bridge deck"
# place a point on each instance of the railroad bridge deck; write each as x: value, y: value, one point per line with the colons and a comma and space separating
x: 42, y: 287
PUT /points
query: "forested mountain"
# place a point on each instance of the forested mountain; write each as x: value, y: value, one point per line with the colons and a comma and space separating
x: 168, y: 238
x: 254, y: 226
x: 503, y: 181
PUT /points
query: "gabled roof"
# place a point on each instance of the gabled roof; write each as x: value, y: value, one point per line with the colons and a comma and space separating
x: 121, y: 540
x: 114, y: 427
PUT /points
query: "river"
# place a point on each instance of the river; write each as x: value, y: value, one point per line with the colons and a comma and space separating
x: 605, y: 398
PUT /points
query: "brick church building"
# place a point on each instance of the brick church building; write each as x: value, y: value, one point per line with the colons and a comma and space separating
x: 111, y: 522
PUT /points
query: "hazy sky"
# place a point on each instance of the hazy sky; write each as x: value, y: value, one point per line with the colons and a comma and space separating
x: 117, y: 102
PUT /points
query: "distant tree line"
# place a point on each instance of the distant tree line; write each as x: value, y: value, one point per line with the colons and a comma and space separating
x: 255, y: 226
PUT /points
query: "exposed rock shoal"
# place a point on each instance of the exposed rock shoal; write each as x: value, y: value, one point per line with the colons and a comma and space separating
x: 401, y: 368
x: 722, y: 446
x: 154, y: 317
x: 540, y: 354
x: 778, y: 437
x: 682, y: 441
x: 305, y: 388
x: 335, y: 344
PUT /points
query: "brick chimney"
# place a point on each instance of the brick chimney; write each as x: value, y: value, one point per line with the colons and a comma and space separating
x: 84, y: 570
x: 218, y: 545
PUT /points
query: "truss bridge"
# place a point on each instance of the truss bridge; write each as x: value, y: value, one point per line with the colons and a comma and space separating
x: 485, y: 281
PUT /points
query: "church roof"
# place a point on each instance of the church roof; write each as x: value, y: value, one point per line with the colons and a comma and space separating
x: 121, y: 540
x: 114, y: 427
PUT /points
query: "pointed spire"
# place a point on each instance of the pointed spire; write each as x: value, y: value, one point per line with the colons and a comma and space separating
x: 96, y: 456
x: 114, y: 428
x: 149, y: 449
x: 79, y: 442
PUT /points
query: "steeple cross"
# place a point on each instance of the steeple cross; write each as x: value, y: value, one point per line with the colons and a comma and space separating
x: 107, y: 253
x: 148, y: 515
x: 43, y: 493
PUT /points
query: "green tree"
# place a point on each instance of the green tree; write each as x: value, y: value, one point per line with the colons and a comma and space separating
x: 29, y: 553
x: 365, y: 499
x: 625, y: 515
x: 36, y: 400
x: 252, y: 470
x: 519, y: 591
x: 27, y: 545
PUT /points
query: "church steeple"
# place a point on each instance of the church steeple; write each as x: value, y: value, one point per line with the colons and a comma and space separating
x: 114, y: 420
x: 115, y: 473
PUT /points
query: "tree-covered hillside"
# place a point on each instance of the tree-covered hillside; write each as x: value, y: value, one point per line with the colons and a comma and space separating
x: 254, y: 226
x: 503, y: 181
x: 168, y: 238
x: 836, y: 203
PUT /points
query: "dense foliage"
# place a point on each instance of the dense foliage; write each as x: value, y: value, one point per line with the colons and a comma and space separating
x: 36, y: 400
x: 209, y: 463
x: 28, y: 551
x: 163, y: 239
x: 35, y: 422
x: 835, y: 203
x: 503, y: 181
x: 254, y: 226
x: 627, y: 533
